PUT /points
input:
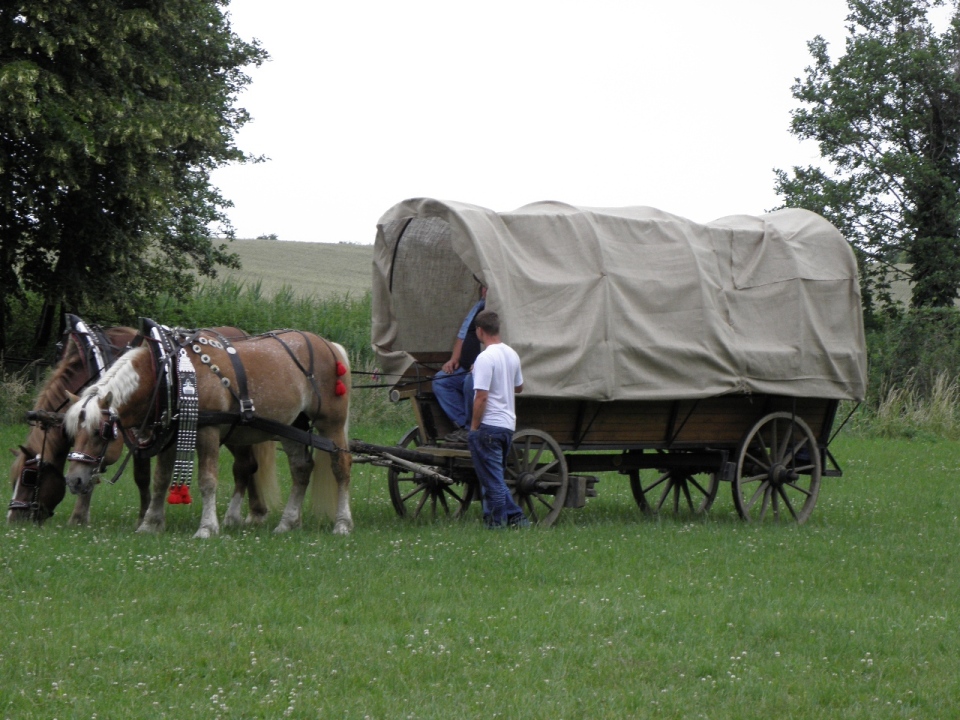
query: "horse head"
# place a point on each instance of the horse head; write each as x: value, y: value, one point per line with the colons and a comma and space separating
x: 120, y: 399
x: 98, y: 441
x: 37, y: 479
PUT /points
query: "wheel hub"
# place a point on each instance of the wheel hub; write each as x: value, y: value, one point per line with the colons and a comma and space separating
x: 527, y: 483
x: 781, y: 474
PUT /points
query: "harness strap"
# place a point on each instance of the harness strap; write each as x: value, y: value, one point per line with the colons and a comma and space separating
x: 241, y: 394
x: 304, y: 437
x: 308, y: 373
x: 189, y: 406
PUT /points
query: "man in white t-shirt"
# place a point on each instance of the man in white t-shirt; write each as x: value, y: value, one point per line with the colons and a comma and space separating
x: 496, y: 381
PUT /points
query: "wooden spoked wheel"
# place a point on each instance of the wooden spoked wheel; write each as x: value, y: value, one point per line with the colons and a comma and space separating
x: 680, y: 491
x: 415, y: 495
x: 778, y: 470
x: 536, y: 475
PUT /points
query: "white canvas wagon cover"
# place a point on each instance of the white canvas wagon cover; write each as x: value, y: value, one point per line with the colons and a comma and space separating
x: 627, y: 303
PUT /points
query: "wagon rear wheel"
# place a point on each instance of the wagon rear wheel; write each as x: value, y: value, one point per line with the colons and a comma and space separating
x: 778, y: 470
x: 414, y: 495
x: 536, y: 474
x: 675, y: 489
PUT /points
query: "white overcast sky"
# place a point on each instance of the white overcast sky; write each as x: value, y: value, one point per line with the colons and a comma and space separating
x: 683, y: 105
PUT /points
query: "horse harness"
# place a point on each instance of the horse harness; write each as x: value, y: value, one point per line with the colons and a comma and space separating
x: 176, y: 415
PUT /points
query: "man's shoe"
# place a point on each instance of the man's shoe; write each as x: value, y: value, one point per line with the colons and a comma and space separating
x: 518, y: 522
x: 457, y: 436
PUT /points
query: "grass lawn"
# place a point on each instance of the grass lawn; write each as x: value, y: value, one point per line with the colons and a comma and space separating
x: 605, y: 615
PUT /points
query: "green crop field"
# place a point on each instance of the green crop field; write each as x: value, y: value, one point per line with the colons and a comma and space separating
x: 608, y: 614
x: 319, y: 270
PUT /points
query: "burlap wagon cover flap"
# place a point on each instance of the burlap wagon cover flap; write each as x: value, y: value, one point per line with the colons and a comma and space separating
x: 628, y: 303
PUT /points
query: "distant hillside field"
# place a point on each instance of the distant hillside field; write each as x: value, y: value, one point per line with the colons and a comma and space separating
x: 311, y: 269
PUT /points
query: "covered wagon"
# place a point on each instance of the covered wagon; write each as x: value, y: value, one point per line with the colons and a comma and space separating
x: 704, y: 352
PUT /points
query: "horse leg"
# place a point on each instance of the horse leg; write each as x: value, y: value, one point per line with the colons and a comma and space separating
x: 301, y: 465
x: 154, y: 519
x: 244, y: 466
x: 141, y: 476
x: 208, y: 455
x: 81, y: 510
x: 342, y: 463
x: 330, y: 485
x: 341, y: 470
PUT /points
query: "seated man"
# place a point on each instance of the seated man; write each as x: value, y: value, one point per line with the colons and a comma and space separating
x: 453, y: 384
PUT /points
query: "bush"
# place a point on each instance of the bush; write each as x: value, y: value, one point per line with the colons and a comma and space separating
x: 913, y: 351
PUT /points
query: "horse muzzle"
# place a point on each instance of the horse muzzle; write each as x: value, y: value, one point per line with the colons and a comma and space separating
x: 80, y: 481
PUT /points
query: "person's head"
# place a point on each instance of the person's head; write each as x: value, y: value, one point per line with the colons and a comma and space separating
x: 489, y: 322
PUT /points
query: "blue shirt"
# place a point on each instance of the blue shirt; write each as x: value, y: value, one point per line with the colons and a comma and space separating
x: 469, y: 319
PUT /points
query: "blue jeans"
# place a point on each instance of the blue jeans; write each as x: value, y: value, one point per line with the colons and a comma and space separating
x: 489, y: 447
x: 454, y: 392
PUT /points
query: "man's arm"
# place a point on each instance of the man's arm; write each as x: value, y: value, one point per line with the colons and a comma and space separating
x: 518, y: 389
x: 479, y: 405
x: 454, y: 362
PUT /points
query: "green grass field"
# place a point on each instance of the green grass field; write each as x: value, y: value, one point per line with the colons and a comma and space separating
x: 605, y: 615
x: 318, y: 270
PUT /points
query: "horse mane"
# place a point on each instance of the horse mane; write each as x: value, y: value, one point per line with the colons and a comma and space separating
x: 69, y: 375
x: 121, y: 380
x: 63, y: 379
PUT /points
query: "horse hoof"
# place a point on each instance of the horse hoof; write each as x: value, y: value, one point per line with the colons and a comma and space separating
x: 256, y: 519
x: 149, y: 528
x: 204, y: 533
x: 342, y: 528
x: 231, y: 521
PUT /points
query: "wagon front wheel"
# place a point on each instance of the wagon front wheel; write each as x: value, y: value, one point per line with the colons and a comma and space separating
x: 536, y: 474
x: 414, y: 495
x: 675, y: 489
x: 778, y: 470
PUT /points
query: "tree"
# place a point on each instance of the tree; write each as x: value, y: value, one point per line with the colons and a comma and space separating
x: 886, y: 116
x: 112, y: 116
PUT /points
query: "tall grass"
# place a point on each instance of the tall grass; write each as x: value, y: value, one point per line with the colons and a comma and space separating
x: 913, y: 409
x: 16, y: 394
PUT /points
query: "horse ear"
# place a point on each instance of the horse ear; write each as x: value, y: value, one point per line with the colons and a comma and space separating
x: 26, y: 452
x: 15, y: 452
x: 73, y: 398
x: 108, y: 399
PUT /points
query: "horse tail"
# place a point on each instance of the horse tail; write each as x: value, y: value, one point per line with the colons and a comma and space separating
x: 346, y: 362
x: 323, y: 483
x: 265, y: 478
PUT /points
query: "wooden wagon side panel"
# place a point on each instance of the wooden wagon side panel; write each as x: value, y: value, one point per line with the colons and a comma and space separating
x: 719, y: 421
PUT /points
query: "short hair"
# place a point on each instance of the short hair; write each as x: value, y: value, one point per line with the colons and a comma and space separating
x: 489, y: 321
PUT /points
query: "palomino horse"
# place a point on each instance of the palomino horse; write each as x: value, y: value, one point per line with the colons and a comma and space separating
x: 37, y: 472
x: 272, y: 386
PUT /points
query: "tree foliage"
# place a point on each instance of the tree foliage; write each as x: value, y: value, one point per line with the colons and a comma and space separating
x: 113, y: 114
x: 886, y: 116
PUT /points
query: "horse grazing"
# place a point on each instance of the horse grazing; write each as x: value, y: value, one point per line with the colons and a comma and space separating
x: 248, y: 390
x: 37, y: 472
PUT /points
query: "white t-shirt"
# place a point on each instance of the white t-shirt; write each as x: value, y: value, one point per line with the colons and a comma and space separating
x: 497, y: 370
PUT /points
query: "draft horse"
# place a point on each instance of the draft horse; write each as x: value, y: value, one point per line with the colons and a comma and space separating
x: 279, y: 385
x: 36, y: 475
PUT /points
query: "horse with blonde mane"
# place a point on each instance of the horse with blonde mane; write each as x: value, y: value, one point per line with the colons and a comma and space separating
x: 36, y: 475
x: 279, y: 385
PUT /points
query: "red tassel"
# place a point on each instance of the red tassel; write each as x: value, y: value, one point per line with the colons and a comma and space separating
x: 341, y: 369
x: 341, y: 388
x: 179, y: 495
